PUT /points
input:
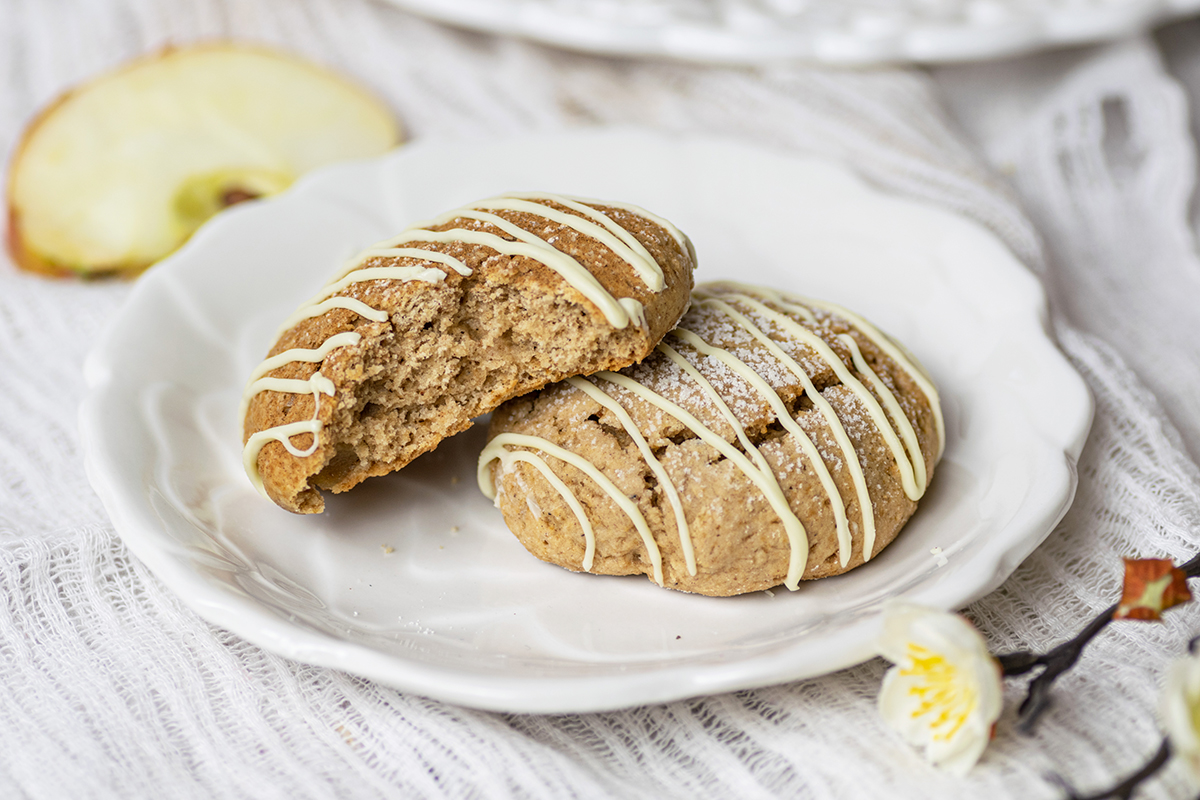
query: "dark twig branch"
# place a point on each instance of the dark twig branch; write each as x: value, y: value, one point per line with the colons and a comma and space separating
x: 1064, y: 656
x: 1056, y: 661
x: 1124, y: 789
x: 1060, y: 659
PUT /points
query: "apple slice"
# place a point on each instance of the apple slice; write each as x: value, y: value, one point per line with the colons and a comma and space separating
x: 122, y: 170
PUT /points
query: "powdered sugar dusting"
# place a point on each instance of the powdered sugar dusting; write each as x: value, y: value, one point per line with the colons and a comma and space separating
x: 785, y: 393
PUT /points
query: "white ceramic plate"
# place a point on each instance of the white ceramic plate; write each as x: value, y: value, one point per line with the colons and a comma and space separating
x: 413, y: 579
x: 847, y: 32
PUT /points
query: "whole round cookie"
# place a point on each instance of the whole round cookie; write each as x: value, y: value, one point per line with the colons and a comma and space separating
x: 768, y: 439
x: 447, y: 320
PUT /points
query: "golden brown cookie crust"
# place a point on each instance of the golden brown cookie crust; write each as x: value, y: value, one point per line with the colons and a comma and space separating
x: 456, y: 348
x: 739, y: 539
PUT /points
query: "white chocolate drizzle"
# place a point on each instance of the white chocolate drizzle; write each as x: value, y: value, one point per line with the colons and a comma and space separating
x: 318, y: 384
x: 897, y: 352
x: 849, y: 456
x: 912, y: 488
x: 316, y: 355
x: 619, y: 312
x: 585, y: 524
x: 660, y: 472
x: 584, y: 206
x: 625, y: 246
x: 588, y: 468
x: 910, y: 461
x: 388, y: 250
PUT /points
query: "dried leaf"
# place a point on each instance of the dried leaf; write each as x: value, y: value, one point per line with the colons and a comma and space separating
x: 1152, y: 585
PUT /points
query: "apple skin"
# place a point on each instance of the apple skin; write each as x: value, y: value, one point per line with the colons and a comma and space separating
x: 24, y: 257
x: 227, y: 184
x: 29, y: 261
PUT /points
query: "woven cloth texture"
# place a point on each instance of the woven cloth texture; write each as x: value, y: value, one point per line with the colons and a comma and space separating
x: 1083, y: 163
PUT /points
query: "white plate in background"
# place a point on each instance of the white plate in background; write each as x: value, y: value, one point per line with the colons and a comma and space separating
x: 843, y: 32
x: 413, y: 579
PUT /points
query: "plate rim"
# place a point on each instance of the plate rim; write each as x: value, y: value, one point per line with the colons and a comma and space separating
x: 927, y: 42
x: 136, y: 524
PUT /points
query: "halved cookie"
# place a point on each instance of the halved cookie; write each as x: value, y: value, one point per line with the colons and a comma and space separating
x: 767, y: 440
x: 442, y: 323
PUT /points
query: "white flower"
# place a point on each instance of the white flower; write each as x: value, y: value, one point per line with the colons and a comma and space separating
x: 1179, y: 707
x: 944, y: 691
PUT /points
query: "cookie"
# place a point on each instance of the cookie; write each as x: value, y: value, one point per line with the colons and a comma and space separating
x: 442, y: 323
x: 768, y: 439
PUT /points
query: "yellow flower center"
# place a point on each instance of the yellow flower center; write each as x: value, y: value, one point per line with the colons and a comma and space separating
x: 940, y: 691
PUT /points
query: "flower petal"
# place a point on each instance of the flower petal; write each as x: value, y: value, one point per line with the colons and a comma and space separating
x: 944, y: 693
x: 1179, y: 710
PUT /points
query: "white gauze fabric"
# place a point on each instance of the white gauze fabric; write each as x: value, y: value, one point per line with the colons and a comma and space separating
x: 111, y: 688
x: 1099, y: 145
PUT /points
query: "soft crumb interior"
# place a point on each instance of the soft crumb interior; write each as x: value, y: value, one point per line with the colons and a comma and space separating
x: 448, y: 361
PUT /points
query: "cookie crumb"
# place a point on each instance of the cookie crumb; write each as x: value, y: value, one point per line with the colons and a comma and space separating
x: 940, y: 559
x: 387, y: 549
